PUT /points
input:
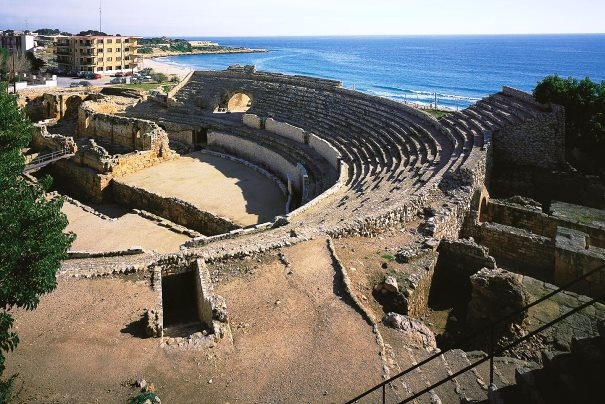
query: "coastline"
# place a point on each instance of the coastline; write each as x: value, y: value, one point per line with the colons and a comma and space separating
x: 162, y: 67
x: 201, y: 52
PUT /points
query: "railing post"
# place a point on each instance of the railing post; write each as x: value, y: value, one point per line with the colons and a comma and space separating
x: 384, y: 394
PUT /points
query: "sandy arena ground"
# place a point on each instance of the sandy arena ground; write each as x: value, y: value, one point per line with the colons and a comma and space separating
x: 130, y: 230
x: 216, y: 185
x: 296, y: 339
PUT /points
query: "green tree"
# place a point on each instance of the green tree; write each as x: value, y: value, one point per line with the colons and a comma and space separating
x: 584, y: 102
x: 47, y: 31
x: 91, y: 32
x: 32, y: 242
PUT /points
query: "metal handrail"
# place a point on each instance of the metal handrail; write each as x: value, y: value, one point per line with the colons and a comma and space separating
x: 473, y: 335
x: 49, y: 156
x: 502, y: 350
x: 40, y: 160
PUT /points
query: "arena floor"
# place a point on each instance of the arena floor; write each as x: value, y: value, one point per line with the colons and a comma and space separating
x: 221, y: 187
x: 129, y: 230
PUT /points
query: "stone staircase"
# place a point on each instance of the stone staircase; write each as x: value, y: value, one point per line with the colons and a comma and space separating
x: 471, y: 386
x: 567, y: 377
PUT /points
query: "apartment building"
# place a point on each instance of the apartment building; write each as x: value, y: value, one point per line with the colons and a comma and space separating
x: 98, y: 54
x: 17, y: 42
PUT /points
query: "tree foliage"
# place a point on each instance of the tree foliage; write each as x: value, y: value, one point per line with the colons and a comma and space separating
x: 92, y: 32
x: 4, y: 56
x: 584, y: 102
x: 47, y: 31
x: 32, y: 241
x: 22, y: 63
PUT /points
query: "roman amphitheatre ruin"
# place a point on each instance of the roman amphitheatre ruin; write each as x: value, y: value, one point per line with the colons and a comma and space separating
x: 259, y: 237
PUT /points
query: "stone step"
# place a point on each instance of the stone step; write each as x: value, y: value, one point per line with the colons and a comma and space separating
x: 469, y: 384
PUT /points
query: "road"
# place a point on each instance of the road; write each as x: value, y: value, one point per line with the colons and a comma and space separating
x: 63, y: 82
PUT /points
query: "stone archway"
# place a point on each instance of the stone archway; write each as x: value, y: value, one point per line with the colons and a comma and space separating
x: 239, y: 102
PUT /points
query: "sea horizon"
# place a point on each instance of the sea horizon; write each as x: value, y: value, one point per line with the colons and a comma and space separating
x: 459, y: 69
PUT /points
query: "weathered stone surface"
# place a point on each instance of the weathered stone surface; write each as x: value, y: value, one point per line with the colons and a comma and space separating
x: 391, y: 295
x: 153, y: 324
x: 464, y: 256
x: 390, y: 285
x: 280, y: 221
x: 495, y: 294
x: 416, y: 333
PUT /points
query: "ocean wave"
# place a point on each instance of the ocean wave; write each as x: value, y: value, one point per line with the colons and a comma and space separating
x: 425, y: 93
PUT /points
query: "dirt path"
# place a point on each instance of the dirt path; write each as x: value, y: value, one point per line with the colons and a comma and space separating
x: 295, y: 340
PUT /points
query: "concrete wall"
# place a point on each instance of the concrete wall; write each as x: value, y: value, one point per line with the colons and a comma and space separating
x: 257, y: 154
x: 173, y: 209
x: 252, y: 121
x: 326, y: 150
x: 285, y: 130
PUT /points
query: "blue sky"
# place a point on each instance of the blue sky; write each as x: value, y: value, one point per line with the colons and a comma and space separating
x: 308, y: 17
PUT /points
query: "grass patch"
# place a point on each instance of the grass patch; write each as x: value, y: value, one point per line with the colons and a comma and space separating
x: 437, y: 113
x: 165, y: 85
x: 140, y: 86
x: 388, y: 257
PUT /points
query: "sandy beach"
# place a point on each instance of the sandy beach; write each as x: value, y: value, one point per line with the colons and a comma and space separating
x: 160, y: 67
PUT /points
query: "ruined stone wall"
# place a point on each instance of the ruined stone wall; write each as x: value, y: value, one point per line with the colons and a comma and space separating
x: 42, y: 139
x: 49, y: 105
x: 203, y: 286
x: 464, y: 256
x: 173, y: 209
x: 179, y: 132
x: 547, y: 185
x: 258, y: 154
x: 535, y: 142
x: 587, y: 220
x: 519, y: 250
x: 517, y: 216
x: 575, y: 257
x: 82, y: 181
x: 130, y: 133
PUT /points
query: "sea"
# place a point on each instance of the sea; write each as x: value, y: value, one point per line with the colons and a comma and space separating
x: 455, y: 70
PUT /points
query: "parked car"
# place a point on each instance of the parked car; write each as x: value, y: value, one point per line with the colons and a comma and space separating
x: 73, y: 85
x: 85, y: 83
x: 96, y: 76
x: 119, y: 74
x: 117, y: 80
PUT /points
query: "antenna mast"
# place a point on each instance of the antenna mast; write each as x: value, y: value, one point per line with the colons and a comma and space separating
x: 100, y: 14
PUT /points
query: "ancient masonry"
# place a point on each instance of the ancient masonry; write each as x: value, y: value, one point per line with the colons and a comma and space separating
x: 351, y: 164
